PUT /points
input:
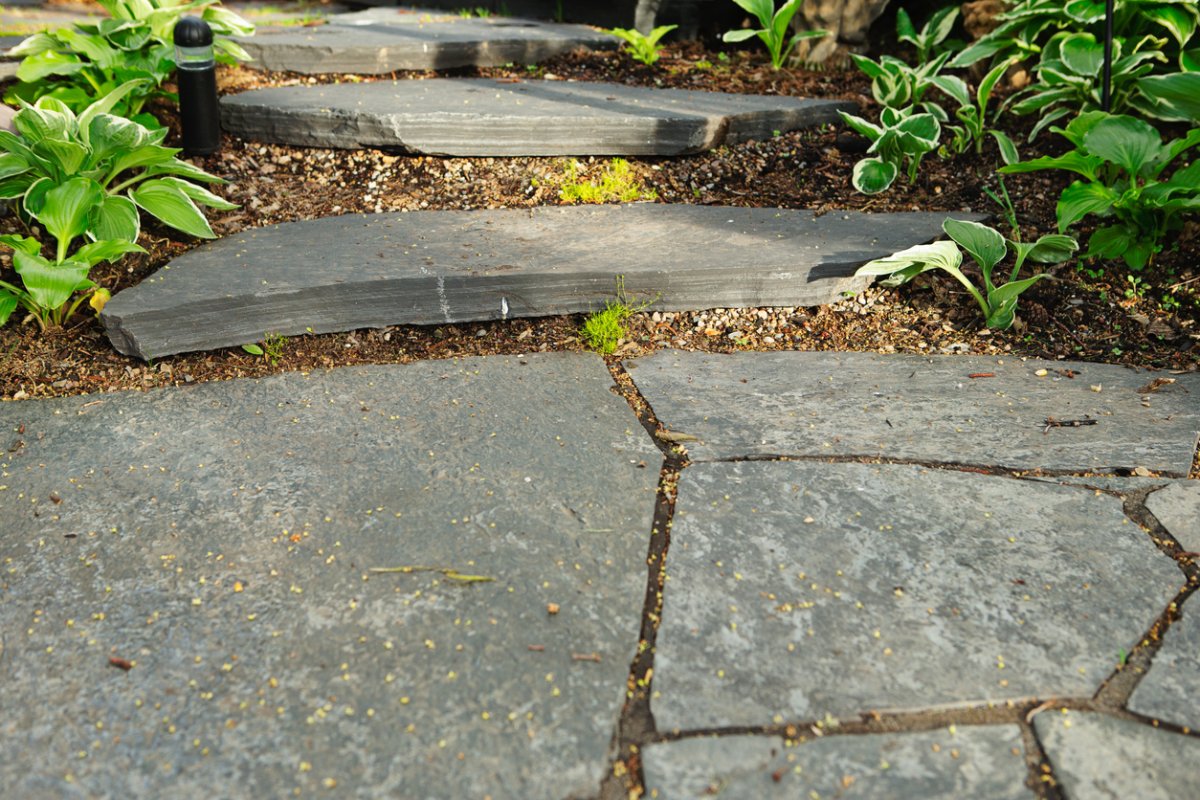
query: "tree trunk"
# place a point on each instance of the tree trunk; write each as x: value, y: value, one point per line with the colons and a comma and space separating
x: 846, y: 20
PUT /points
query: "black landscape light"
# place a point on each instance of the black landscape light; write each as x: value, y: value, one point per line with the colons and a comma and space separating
x: 1106, y: 88
x: 199, y: 115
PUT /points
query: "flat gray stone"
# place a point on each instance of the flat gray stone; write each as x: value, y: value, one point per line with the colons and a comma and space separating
x: 922, y: 408
x: 455, y: 266
x: 1097, y: 756
x: 222, y: 537
x: 1177, y: 507
x: 1170, y: 691
x: 384, y: 40
x: 491, y: 117
x: 798, y: 590
x: 970, y: 762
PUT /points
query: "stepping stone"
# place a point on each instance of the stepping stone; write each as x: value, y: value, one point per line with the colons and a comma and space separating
x: 456, y: 266
x: 803, y: 589
x: 384, y: 40
x: 1177, y: 507
x: 1171, y: 690
x: 1094, y: 756
x: 923, y: 408
x: 486, y: 117
x: 223, y: 536
x: 976, y: 761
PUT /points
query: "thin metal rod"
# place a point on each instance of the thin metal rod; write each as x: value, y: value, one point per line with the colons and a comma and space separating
x: 1106, y: 88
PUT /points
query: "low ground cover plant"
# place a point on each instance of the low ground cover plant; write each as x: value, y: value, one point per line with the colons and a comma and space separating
x: 972, y: 114
x: 899, y: 141
x: 775, y: 30
x: 117, y: 167
x: 987, y: 248
x: 1123, y: 166
x: 83, y: 63
x: 618, y: 184
x: 640, y: 46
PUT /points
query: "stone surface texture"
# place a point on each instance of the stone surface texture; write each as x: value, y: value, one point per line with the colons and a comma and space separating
x: 220, y: 540
x: 492, y: 117
x: 1097, y: 756
x: 923, y: 408
x: 1177, y: 507
x: 797, y: 590
x: 930, y: 765
x: 1171, y: 690
x: 455, y: 266
x: 382, y: 40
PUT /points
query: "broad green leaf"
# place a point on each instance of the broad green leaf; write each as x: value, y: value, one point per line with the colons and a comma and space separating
x: 922, y: 126
x: 1078, y: 127
x: 12, y: 164
x: 1053, y: 248
x: 231, y: 50
x: 1189, y: 60
x: 1008, y: 149
x: 50, y: 285
x: 179, y: 168
x: 739, y: 35
x: 253, y: 349
x: 147, y: 156
x: 1126, y: 141
x: 32, y: 45
x: 1082, y: 54
x: 68, y: 157
x: 974, y: 53
x: 106, y: 250
x: 938, y: 255
x: 954, y: 87
x: 200, y: 195
x: 115, y: 218
x: 762, y: 9
x: 66, y: 208
x: 1072, y: 161
x: 1080, y: 199
x: 98, y: 51
x: 1085, y: 11
x: 16, y: 186
x: 36, y: 123
x: 1004, y: 301
x: 1110, y: 242
x: 104, y: 105
x: 225, y: 21
x: 905, y: 30
x: 873, y: 175
x: 109, y: 135
x: 172, y: 207
x: 8, y: 304
x: 984, y: 244
x: 26, y: 244
x: 1172, y: 18
x: 44, y: 64
x: 1174, y: 97
x: 860, y: 125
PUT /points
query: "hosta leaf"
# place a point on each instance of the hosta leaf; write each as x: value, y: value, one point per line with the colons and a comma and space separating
x: 200, y: 195
x: 175, y: 166
x: 1004, y: 301
x: 16, y: 186
x: 103, y: 106
x: 1080, y: 199
x: 172, y: 207
x: 107, y: 250
x: 954, y: 87
x: 26, y: 244
x: 984, y: 244
x: 50, y: 285
x: 32, y: 45
x: 1174, y: 97
x: 225, y: 21
x: 68, y: 157
x: 1126, y: 141
x: 740, y: 35
x: 98, y: 51
x: 109, y: 135
x: 47, y: 63
x: 1111, y: 242
x: 8, y: 304
x: 115, y: 218
x: 924, y: 257
x: 66, y: 208
x: 1176, y: 20
x: 1082, y: 54
x: 1085, y: 11
x: 1008, y: 149
x: 1072, y: 160
x: 1053, y: 248
x: 12, y: 164
x: 873, y: 175
x: 36, y: 123
x: 860, y: 125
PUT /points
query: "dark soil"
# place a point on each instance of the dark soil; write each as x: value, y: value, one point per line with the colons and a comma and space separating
x: 1092, y: 311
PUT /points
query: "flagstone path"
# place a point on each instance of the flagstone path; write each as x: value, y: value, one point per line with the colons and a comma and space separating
x: 429, y: 580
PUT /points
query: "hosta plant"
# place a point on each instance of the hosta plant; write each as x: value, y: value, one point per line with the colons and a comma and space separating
x: 896, y: 85
x: 123, y: 164
x: 81, y: 64
x: 932, y: 38
x: 1127, y: 176
x: 988, y: 249
x: 775, y: 30
x: 901, y: 138
x: 640, y: 46
x: 972, y: 114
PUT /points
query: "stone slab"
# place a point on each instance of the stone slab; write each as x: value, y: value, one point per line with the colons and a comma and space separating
x: 493, y: 117
x: 922, y: 408
x: 221, y: 538
x: 1170, y: 691
x: 1098, y: 756
x: 909, y: 589
x: 455, y: 266
x: 930, y: 765
x: 384, y: 40
x: 1177, y: 507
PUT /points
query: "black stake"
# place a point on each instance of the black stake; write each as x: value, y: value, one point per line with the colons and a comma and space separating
x: 199, y: 115
x: 1106, y: 88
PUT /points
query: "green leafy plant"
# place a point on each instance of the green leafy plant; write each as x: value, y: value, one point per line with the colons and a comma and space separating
x: 618, y: 184
x: 1122, y: 162
x: 83, y: 63
x: 1174, y: 97
x: 1007, y: 210
x: 896, y: 85
x: 931, y: 39
x: 900, y: 138
x: 271, y: 348
x: 774, y: 30
x: 972, y: 114
x: 47, y: 284
x: 988, y: 248
x: 604, y: 330
x: 122, y: 164
x: 642, y: 47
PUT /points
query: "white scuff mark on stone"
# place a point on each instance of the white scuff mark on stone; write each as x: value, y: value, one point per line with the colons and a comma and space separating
x: 443, y: 302
x: 503, y: 308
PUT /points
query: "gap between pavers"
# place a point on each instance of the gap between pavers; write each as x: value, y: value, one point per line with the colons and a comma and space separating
x: 433, y: 267
x: 382, y: 40
x: 219, y: 539
x: 923, y: 408
x: 507, y: 117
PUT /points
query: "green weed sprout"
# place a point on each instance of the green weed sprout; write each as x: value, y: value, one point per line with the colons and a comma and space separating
x: 641, y: 47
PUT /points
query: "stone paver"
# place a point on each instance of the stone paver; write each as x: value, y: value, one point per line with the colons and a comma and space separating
x: 383, y: 40
x: 1096, y: 756
x: 923, y: 408
x: 491, y: 117
x: 222, y: 537
x: 456, y: 266
x: 970, y: 762
x: 798, y: 590
x: 1177, y: 507
x: 1171, y: 689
